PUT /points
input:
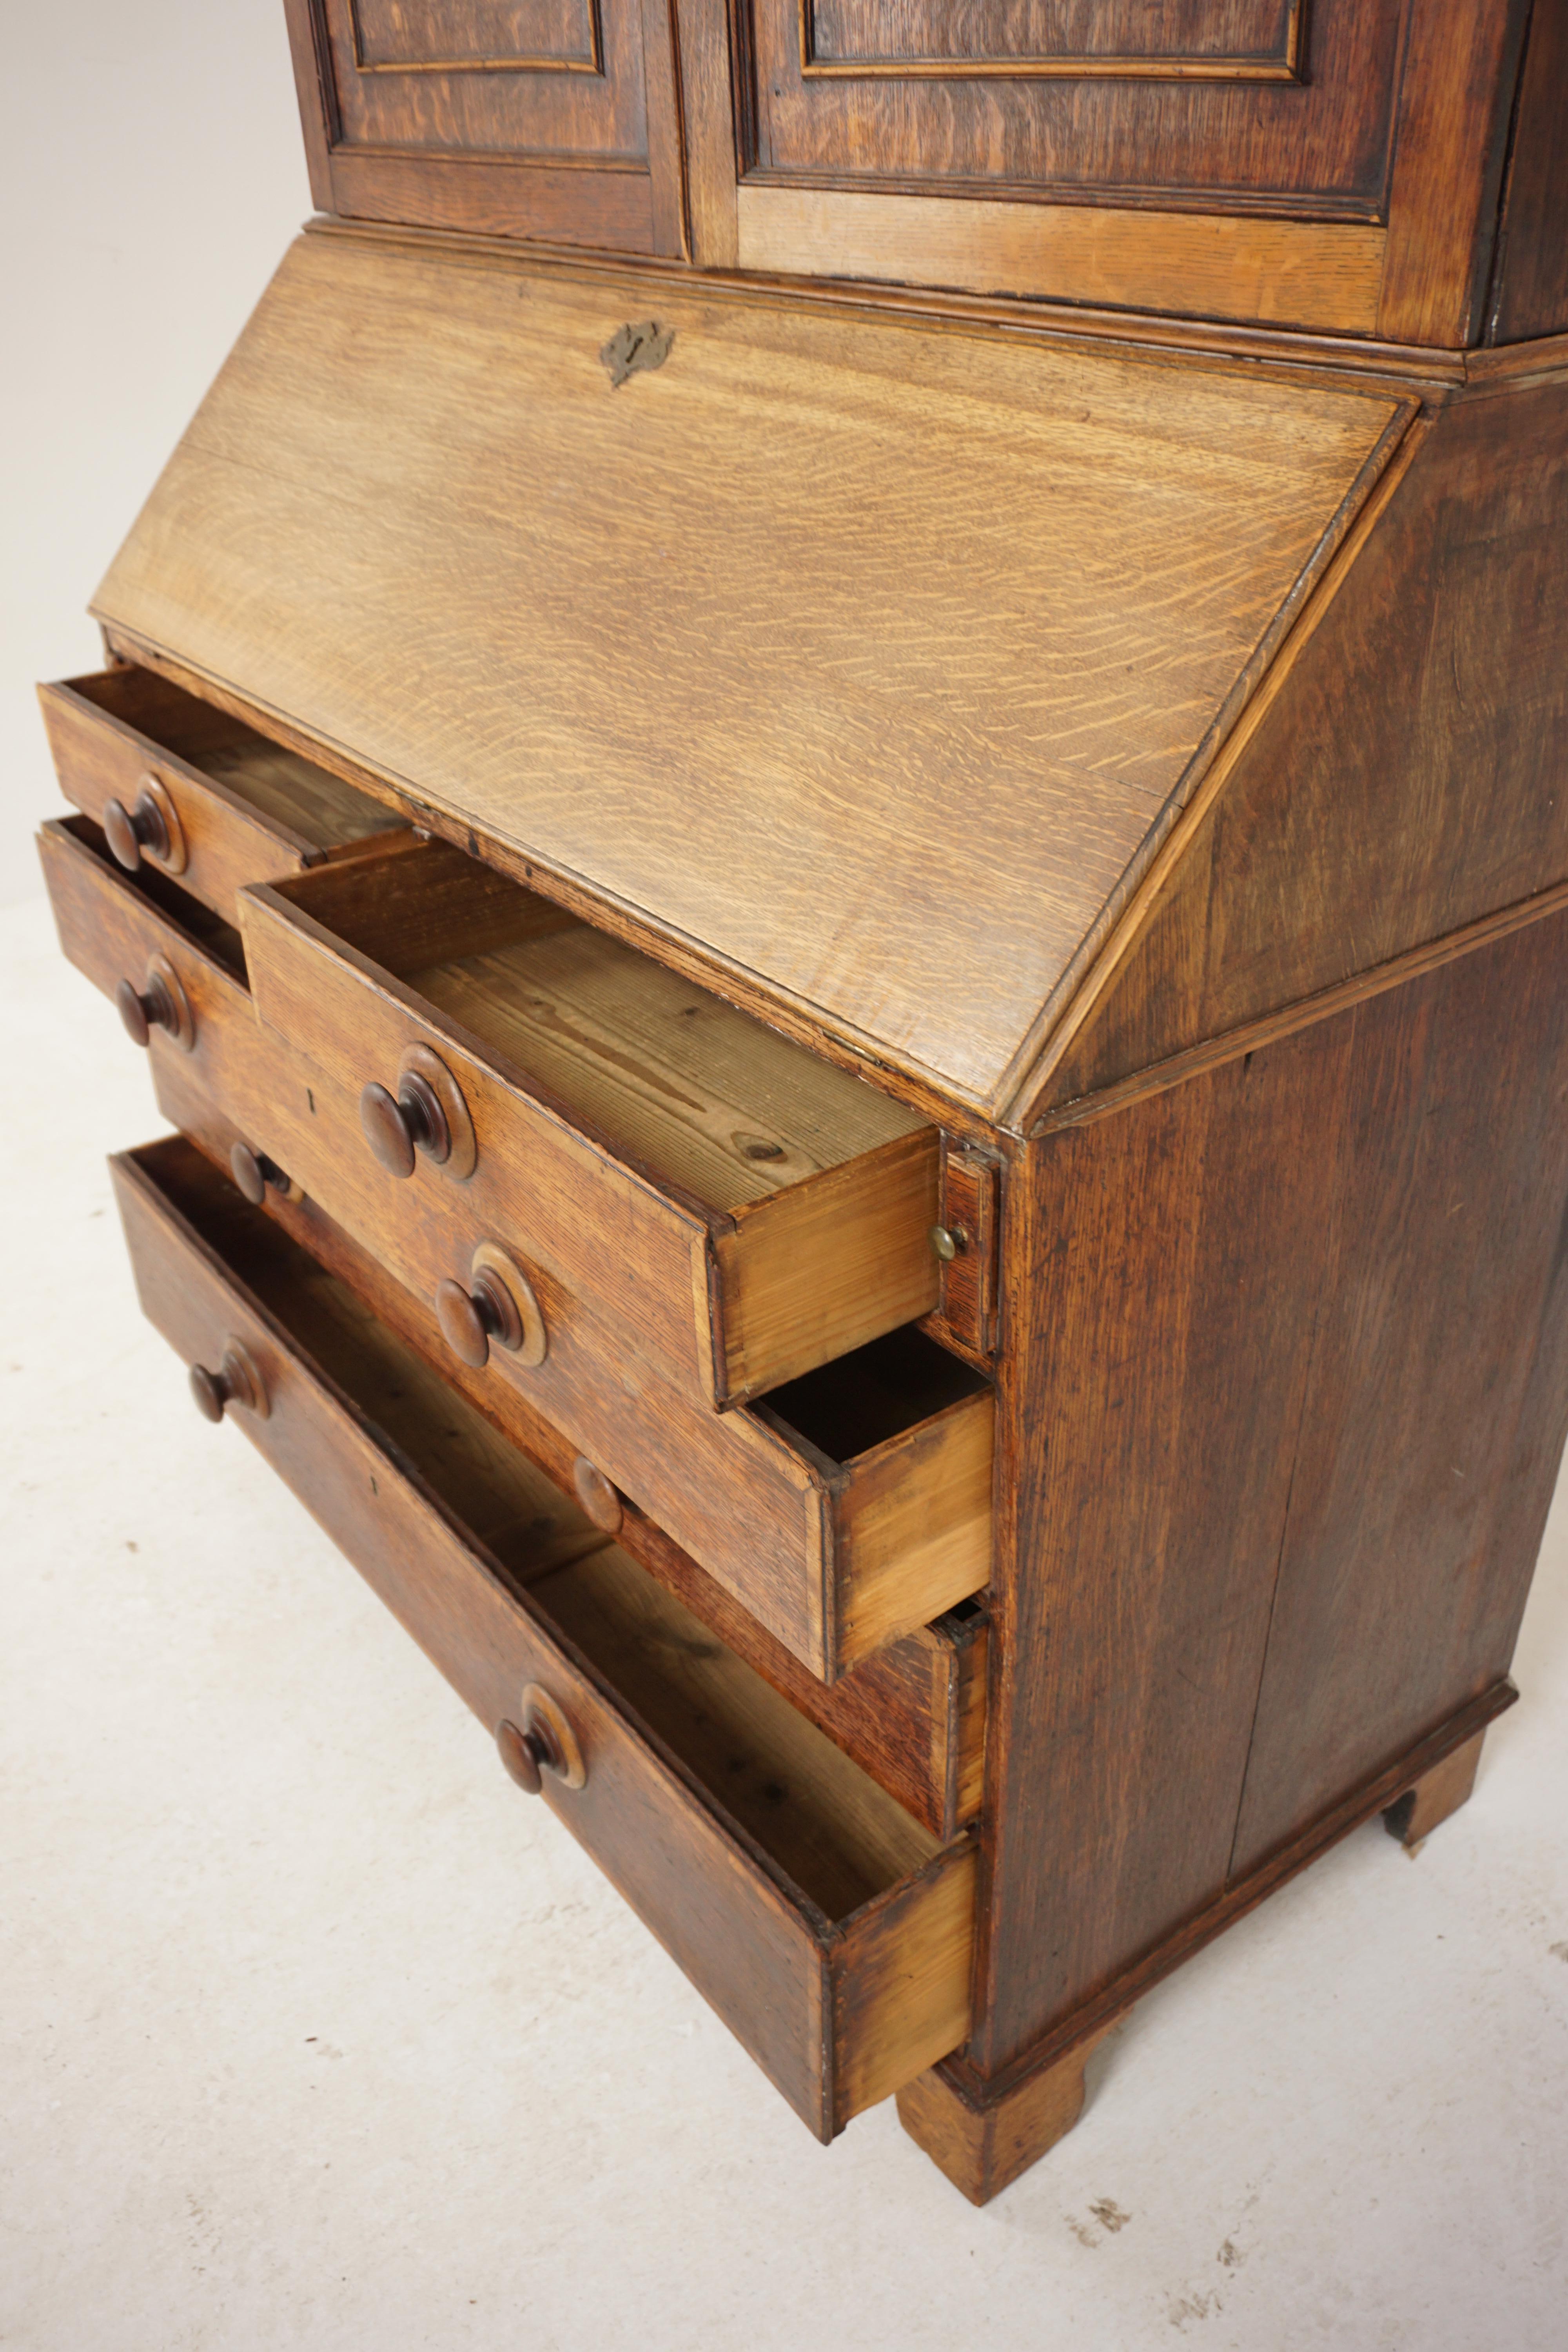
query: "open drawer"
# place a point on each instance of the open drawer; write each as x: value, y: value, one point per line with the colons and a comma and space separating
x: 913, y: 1713
x: 743, y: 1210
x: 181, y: 786
x: 847, y: 1510
x: 145, y: 941
x: 830, y: 1931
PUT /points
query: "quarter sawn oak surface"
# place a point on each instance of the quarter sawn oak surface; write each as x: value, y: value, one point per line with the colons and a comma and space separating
x: 885, y: 680
x: 802, y: 647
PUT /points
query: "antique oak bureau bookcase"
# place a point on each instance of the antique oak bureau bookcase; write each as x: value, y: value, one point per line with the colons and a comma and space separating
x: 834, y: 785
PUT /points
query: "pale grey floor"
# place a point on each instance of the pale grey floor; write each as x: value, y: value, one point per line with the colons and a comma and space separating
x: 314, y: 2033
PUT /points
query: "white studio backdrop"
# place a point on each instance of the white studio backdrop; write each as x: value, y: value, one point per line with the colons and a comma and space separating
x: 151, y: 175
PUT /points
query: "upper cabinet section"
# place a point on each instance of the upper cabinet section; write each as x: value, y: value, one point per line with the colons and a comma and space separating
x: 1333, y: 167
x: 548, y: 119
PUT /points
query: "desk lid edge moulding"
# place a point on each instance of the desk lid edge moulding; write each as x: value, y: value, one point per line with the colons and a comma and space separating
x: 871, y: 665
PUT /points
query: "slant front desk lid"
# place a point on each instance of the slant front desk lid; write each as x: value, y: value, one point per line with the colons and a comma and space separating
x: 867, y: 661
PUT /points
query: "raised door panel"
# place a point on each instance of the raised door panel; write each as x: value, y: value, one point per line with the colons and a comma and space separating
x: 552, y: 119
x: 896, y: 139
x: 1258, y: 39
x: 1333, y: 167
x: 1205, y: 100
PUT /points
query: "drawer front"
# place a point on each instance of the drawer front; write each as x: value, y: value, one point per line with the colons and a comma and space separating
x: 116, y: 931
x: 912, y: 1715
x: 725, y: 1301
x: 832, y: 1561
x: 263, y: 814
x: 837, y: 2013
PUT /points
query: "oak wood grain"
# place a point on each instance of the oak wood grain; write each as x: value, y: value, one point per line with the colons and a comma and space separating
x: 1211, y: 105
x: 1008, y: 2087
x: 560, y: 123
x: 1408, y: 777
x: 1033, y: 644
x: 887, y: 1982
x: 1425, y: 1462
x: 1233, y: 1044
x: 772, y: 1515
x: 1207, y: 265
x: 710, y: 1100
x: 1160, y: 1291
x: 1456, y: 105
x: 1436, y: 1797
x: 572, y: 1050
x: 912, y: 1715
x: 1315, y: 357
x: 983, y: 2146
x: 1530, y: 283
x: 249, y: 810
x: 1383, y: 1181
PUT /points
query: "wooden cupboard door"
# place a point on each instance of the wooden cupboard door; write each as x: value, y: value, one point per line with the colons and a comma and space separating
x: 549, y: 119
x: 1332, y: 167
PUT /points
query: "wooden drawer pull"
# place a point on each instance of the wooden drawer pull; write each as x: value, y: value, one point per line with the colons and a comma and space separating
x: 427, y: 1114
x: 498, y: 1305
x: 254, y: 1173
x: 151, y: 823
x: 235, y: 1381
x: 599, y: 1498
x: 159, y: 1004
x: 546, y: 1743
x: 400, y: 1125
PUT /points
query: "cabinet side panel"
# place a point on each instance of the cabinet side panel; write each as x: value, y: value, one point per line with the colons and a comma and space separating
x: 1160, y: 1297
x: 1413, y: 774
x: 1439, y: 1384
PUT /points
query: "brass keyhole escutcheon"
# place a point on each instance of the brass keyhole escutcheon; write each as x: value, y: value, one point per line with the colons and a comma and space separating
x: 633, y: 351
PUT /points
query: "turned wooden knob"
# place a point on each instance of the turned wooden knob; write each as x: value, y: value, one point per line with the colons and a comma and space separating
x: 235, y: 1381
x: 598, y: 1498
x: 470, y: 1319
x: 253, y: 1171
x: 397, y: 1126
x: 545, y: 1742
x: 527, y: 1755
x: 147, y: 1009
x: 130, y: 831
